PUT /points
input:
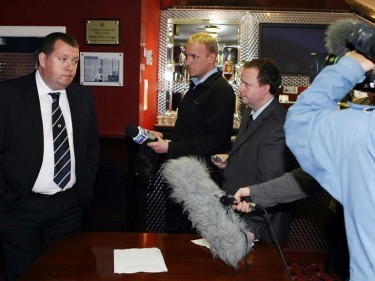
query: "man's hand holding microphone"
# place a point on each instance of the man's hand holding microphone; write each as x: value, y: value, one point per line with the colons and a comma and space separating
x: 160, y: 145
x: 241, y: 205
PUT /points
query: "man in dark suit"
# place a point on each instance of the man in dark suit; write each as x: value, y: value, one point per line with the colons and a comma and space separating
x: 35, y: 208
x: 259, y: 153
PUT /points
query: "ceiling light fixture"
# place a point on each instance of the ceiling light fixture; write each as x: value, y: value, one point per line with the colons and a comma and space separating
x: 212, y: 28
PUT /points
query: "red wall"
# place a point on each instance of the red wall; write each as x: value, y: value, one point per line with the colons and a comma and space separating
x: 116, y: 106
x: 150, y: 40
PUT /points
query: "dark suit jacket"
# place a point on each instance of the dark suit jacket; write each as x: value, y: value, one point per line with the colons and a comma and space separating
x: 260, y: 154
x: 21, y: 139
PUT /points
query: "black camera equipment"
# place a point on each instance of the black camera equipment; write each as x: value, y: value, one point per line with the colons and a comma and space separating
x: 320, y: 60
x: 343, y: 36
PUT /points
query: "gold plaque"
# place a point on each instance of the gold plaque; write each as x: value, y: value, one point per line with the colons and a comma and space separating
x: 103, y: 32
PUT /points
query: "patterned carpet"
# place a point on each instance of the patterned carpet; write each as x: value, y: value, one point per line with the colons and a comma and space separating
x: 310, y: 272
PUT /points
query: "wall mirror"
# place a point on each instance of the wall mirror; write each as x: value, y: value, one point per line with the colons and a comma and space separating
x: 241, y: 26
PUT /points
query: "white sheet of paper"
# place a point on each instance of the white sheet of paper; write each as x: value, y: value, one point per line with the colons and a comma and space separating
x: 138, y: 260
x: 201, y: 242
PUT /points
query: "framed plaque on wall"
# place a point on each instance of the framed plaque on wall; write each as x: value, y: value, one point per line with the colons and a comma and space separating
x: 103, y: 32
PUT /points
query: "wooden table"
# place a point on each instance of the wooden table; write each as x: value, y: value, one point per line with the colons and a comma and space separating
x: 89, y: 256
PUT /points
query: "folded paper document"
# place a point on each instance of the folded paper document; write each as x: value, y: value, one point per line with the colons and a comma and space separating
x: 138, y: 260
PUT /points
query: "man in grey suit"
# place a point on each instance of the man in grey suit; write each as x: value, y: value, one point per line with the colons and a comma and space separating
x: 35, y: 208
x: 259, y: 153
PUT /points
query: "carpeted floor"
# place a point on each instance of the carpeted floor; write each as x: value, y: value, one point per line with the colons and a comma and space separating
x: 310, y: 272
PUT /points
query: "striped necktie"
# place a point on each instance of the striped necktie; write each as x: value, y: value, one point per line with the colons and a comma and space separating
x: 60, y: 144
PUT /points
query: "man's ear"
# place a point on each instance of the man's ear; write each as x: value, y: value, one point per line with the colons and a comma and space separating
x: 267, y: 88
x: 42, y: 59
x: 212, y: 57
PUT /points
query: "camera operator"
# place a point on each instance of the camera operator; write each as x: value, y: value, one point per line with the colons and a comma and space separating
x: 338, y: 150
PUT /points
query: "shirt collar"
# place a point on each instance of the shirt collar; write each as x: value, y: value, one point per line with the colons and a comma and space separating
x: 259, y: 111
x: 196, y: 80
x: 42, y: 86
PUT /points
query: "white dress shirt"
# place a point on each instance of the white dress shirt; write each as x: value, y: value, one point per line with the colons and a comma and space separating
x: 44, y: 183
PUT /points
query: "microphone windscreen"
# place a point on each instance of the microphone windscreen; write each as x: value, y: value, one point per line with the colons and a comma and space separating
x: 199, y: 196
x: 339, y: 34
x: 131, y: 130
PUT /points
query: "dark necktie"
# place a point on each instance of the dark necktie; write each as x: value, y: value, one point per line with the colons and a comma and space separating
x: 249, y: 121
x: 60, y: 144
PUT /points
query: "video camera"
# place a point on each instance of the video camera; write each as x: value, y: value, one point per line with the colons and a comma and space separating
x: 320, y: 60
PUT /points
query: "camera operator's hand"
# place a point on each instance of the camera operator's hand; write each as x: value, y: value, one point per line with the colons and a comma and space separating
x: 242, y: 206
x: 366, y: 63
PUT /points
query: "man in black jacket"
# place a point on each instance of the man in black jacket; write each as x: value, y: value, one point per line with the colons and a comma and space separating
x: 35, y: 208
x: 204, y: 123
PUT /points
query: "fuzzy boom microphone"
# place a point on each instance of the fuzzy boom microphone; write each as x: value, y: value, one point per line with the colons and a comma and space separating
x: 347, y: 34
x: 199, y: 195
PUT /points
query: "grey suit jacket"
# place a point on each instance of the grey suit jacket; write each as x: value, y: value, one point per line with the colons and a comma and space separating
x: 21, y: 139
x: 260, y: 154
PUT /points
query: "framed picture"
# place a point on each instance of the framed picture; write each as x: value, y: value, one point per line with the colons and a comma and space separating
x: 101, y: 69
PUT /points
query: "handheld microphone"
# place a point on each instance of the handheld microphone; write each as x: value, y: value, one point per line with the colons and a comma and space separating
x: 199, y: 196
x: 209, y: 210
x: 228, y: 200
x: 139, y: 134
